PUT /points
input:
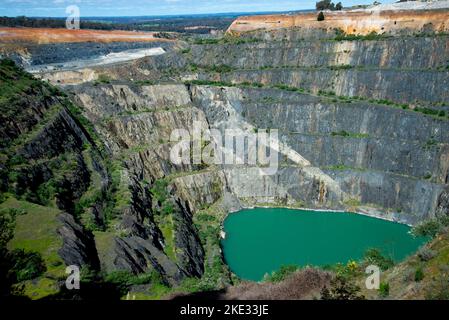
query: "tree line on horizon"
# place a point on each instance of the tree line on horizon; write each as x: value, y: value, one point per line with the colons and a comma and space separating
x: 328, y: 5
x: 161, y: 25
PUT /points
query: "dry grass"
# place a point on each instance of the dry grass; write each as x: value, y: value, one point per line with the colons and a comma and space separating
x: 55, y: 35
x: 302, y: 285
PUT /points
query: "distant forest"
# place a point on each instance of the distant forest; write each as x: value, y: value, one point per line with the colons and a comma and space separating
x: 182, y: 24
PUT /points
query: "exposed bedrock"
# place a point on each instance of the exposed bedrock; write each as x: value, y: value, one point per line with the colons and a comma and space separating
x: 375, y: 152
x: 402, y: 69
x: 50, y: 160
x: 443, y: 204
x: 288, y: 49
x: 135, y: 123
x: 400, y: 20
x: 408, y: 87
x: 151, y: 68
x: 390, y: 159
x: 78, y: 246
x: 362, y: 126
x: 58, y: 53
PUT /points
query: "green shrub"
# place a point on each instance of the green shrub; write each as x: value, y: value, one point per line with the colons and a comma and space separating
x: 341, y: 133
x: 384, y: 289
x: 320, y: 16
x: 375, y: 257
x: 16, y: 160
x: 209, y: 233
x: 220, y: 68
x: 26, y: 265
x: 430, y: 143
x: 103, y: 78
x: 8, y: 63
x: 144, y: 82
x: 193, y: 67
x: 341, y: 288
x: 256, y: 85
x: 159, y: 190
x: 206, y: 41
x: 210, y: 83
x: 330, y: 93
x: 119, y: 277
x: 124, y: 279
x: 341, y: 36
x: 419, y: 274
x: 45, y: 193
x: 167, y: 207
x: 7, y: 224
x: 205, y: 218
x: 428, y: 111
x: 425, y: 254
x: 3, y: 197
x: 438, y: 288
x: 281, y: 274
x: 427, y: 229
x: 87, y: 274
x: 285, y: 87
x: 341, y: 67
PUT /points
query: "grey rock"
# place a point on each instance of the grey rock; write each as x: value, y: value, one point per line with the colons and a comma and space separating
x: 78, y: 246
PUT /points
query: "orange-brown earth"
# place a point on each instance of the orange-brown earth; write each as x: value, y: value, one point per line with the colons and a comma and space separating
x: 49, y: 35
x: 351, y: 22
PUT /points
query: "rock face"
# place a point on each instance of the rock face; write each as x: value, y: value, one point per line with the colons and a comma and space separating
x: 353, y: 118
x: 50, y: 150
x: 63, y: 35
x: 136, y: 123
x: 351, y: 22
x: 52, y: 53
x: 78, y: 247
x: 404, y: 70
x: 380, y: 151
x: 376, y: 164
x: 362, y: 125
x: 359, y: 165
x: 45, y: 157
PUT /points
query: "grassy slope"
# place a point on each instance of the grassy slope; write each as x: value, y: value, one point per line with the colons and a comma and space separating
x: 13, y: 82
x: 401, y: 277
x: 35, y: 230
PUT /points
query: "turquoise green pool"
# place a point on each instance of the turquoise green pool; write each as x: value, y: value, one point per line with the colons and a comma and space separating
x: 261, y: 240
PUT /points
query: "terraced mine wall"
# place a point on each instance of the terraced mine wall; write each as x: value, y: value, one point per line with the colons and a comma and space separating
x: 338, y: 102
x: 406, y: 70
x: 106, y: 216
x: 370, y: 115
x: 363, y: 124
x: 59, y: 53
x: 351, y: 22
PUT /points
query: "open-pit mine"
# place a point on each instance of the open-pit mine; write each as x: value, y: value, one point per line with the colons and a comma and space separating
x: 360, y: 102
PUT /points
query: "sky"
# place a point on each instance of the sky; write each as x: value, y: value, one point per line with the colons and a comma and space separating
x: 89, y: 8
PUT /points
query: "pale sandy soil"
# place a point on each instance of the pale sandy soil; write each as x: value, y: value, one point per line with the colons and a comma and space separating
x: 55, y: 35
x: 111, y: 58
x: 410, y: 5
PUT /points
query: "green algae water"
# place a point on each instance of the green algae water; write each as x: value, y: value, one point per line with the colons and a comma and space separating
x: 261, y: 240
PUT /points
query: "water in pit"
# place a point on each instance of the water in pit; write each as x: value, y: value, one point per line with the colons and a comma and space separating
x: 261, y: 240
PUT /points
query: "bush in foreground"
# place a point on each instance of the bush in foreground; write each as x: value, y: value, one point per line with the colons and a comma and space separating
x: 341, y: 288
x: 375, y: 257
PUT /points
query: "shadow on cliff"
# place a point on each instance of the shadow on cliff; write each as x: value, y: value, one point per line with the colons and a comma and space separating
x: 89, y: 291
x: 205, y: 295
